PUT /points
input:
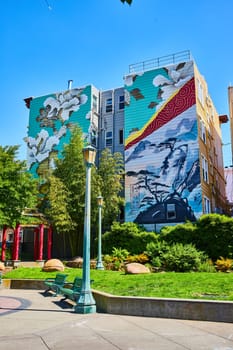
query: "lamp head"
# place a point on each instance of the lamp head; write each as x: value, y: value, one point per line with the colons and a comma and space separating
x: 89, y: 154
x: 100, y: 201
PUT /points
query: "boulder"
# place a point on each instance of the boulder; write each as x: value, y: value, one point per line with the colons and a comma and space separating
x: 75, y: 262
x: 2, y: 266
x: 53, y: 265
x: 136, y: 268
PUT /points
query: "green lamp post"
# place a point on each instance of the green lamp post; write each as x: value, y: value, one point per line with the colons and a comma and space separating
x: 86, y: 303
x: 99, y: 264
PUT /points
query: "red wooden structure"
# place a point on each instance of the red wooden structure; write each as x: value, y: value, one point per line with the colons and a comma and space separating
x: 38, y: 239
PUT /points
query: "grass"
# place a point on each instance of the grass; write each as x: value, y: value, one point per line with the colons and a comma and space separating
x: 198, y: 285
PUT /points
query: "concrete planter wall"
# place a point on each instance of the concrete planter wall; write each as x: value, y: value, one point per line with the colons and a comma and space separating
x: 204, y: 310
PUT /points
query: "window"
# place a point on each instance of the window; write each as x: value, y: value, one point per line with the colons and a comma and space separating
x: 203, y: 131
x: 94, y: 138
x: 108, y: 139
x: 171, y: 211
x: 206, y: 205
x: 121, y: 102
x: 200, y: 92
x: 205, y: 174
x: 121, y: 137
x: 108, y: 105
x: 94, y: 103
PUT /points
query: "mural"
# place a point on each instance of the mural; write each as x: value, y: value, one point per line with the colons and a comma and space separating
x: 51, y: 120
x: 162, y: 182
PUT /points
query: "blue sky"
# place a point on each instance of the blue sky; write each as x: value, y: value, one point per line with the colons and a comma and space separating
x: 44, y: 43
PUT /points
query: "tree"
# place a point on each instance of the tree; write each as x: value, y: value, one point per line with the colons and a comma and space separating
x: 67, y: 191
x: 128, y: 1
x: 17, y: 188
x: 110, y: 172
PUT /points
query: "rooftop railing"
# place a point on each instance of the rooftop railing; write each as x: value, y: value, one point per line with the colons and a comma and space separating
x: 177, y: 57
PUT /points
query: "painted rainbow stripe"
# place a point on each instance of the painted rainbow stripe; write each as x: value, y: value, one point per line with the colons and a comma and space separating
x: 179, y: 102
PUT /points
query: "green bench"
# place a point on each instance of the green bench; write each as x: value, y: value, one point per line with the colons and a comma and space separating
x: 54, y: 284
x: 73, y: 291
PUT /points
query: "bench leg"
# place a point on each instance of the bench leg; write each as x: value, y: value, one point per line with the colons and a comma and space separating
x: 47, y: 290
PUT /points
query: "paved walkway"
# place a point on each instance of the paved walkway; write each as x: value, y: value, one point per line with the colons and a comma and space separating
x: 32, y: 321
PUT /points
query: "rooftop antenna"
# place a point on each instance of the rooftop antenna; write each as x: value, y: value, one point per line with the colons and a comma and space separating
x: 49, y: 7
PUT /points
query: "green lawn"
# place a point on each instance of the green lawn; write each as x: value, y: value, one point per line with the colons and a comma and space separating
x: 213, y: 286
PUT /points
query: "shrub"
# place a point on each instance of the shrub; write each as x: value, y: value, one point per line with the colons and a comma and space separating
x: 215, y: 235
x: 129, y: 236
x: 207, y: 266
x: 224, y: 265
x: 8, y: 254
x: 120, y: 254
x: 181, y: 233
x: 211, y: 233
x: 139, y: 258
x: 183, y: 258
x: 155, y: 249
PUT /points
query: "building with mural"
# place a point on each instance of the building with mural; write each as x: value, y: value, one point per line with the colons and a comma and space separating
x: 164, y: 123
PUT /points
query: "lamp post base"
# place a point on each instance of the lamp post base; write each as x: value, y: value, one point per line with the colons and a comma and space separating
x: 86, y: 303
x: 99, y: 265
x: 85, y: 309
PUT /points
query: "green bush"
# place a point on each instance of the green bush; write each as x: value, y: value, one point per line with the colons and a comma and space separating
x: 211, y: 233
x: 215, y: 235
x: 182, y: 258
x: 207, y: 266
x: 8, y: 254
x: 182, y: 233
x: 120, y: 254
x: 127, y: 236
x: 154, y: 249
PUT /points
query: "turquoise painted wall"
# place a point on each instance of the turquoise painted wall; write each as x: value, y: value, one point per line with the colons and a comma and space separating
x: 51, y: 120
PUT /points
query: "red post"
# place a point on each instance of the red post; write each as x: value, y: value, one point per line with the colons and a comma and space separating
x: 16, y: 243
x: 3, y: 253
x: 36, y: 243
x: 49, y: 247
x: 41, y: 241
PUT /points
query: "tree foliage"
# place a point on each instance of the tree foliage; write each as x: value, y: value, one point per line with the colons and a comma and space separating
x: 17, y: 188
x: 66, y: 196
x: 127, y: 236
x: 67, y: 192
x: 211, y: 233
x: 110, y: 174
x: 128, y: 1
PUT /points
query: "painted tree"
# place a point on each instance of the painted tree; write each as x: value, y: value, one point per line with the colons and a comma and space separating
x: 17, y: 188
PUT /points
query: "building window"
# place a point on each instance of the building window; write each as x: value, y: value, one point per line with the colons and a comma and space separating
x: 205, y: 173
x: 108, y: 139
x: 121, y: 102
x: 200, y: 92
x: 94, y: 106
x: 206, y: 206
x: 94, y: 138
x: 108, y: 105
x: 203, y: 131
x: 171, y: 211
x: 121, y: 137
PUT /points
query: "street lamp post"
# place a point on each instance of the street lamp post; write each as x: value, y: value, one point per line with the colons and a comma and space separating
x: 86, y: 303
x: 99, y: 264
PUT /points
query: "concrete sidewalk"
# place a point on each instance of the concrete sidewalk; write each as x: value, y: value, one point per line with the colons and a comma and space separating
x: 30, y: 320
